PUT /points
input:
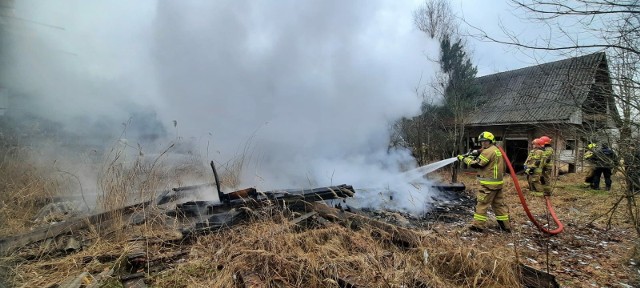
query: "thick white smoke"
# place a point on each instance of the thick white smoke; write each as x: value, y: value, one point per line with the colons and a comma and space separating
x: 305, y: 91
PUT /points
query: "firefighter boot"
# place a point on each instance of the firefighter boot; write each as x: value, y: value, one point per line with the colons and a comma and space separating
x: 504, y: 226
x: 476, y: 228
x: 478, y: 224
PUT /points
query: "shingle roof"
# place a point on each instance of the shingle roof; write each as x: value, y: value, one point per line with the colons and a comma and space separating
x: 551, y: 92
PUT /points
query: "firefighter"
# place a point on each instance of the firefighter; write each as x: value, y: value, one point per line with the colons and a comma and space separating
x: 533, y: 167
x: 490, y: 165
x: 606, y: 161
x: 548, y: 159
x: 589, y: 158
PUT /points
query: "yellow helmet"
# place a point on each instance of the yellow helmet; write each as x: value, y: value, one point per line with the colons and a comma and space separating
x: 591, y: 145
x: 487, y: 136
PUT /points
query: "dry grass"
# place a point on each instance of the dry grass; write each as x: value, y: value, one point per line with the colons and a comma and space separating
x: 594, y: 248
x: 270, y: 250
x: 24, y: 189
x: 283, y: 255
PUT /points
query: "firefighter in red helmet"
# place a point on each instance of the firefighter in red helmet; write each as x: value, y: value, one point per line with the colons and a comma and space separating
x: 548, y: 160
x: 533, y: 167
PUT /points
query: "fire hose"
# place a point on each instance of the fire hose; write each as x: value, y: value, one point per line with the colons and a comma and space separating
x: 523, y: 201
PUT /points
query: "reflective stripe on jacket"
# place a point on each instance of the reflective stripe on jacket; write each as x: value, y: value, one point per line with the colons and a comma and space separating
x: 491, y: 167
x: 588, y: 155
x: 534, y: 161
x: 548, y: 158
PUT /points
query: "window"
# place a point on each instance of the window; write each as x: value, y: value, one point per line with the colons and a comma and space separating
x: 570, y: 144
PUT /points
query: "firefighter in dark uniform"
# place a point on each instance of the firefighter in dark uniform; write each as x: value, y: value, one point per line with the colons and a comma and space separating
x: 606, y: 161
x: 490, y: 165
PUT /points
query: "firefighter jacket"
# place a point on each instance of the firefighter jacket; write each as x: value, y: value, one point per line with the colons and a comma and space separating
x: 589, y: 156
x: 548, y: 158
x: 534, y: 161
x: 606, y: 158
x: 491, y: 167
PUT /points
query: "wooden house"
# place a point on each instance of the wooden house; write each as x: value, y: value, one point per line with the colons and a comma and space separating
x: 570, y: 101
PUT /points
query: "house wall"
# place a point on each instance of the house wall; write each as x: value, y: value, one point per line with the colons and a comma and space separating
x: 567, y: 142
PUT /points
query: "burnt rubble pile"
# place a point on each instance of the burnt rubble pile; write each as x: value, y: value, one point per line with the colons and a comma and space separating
x: 188, y: 220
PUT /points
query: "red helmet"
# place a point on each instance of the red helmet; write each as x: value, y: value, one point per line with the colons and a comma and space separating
x: 537, y: 142
x: 545, y: 140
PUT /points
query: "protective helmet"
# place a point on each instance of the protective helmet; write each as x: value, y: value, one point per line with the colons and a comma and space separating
x: 487, y: 136
x: 545, y: 140
x: 591, y: 145
x: 537, y: 142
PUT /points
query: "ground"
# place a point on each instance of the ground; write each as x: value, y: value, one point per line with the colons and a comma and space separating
x: 596, y: 248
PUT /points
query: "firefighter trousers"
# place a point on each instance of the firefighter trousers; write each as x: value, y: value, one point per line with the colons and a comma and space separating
x: 535, y: 184
x: 490, y: 198
x: 546, y: 181
x: 596, y: 178
x: 588, y: 176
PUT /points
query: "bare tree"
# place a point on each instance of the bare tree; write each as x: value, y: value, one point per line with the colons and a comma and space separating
x: 435, y: 18
x: 439, y: 131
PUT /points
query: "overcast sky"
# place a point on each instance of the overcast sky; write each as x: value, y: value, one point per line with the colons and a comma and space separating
x: 309, y: 87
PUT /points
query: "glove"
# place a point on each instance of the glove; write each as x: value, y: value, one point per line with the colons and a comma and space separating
x: 460, y: 157
x: 528, y: 171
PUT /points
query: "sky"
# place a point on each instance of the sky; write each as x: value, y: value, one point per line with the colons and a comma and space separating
x: 303, y: 92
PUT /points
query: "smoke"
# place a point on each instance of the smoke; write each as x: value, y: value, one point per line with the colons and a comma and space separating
x: 302, y: 93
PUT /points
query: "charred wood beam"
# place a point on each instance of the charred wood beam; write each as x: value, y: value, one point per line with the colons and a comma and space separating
x: 321, y: 221
x: 303, y: 217
x: 242, y: 197
x: 215, y: 222
x: 164, y: 262
x: 135, y: 280
x: 179, y: 192
x: 452, y: 187
x: 531, y: 277
x: 9, y: 244
x: 253, y: 199
x: 309, y: 195
x: 215, y: 176
x: 133, y: 276
x: 401, y: 237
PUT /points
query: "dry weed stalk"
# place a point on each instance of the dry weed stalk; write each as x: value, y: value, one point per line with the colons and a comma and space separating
x: 24, y: 189
x: 283, y: 255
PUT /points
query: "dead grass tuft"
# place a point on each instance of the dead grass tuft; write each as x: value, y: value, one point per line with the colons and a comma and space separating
x: 279, y: 254
x: 24, y: 189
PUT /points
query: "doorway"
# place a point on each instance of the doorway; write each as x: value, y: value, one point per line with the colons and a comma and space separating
x: 517, y: 151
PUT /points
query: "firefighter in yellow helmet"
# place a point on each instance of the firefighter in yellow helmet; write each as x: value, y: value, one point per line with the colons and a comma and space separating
x: 533, y: 167
x: 490, y: 165
x: 589, y: 167
x: 548, y: 160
